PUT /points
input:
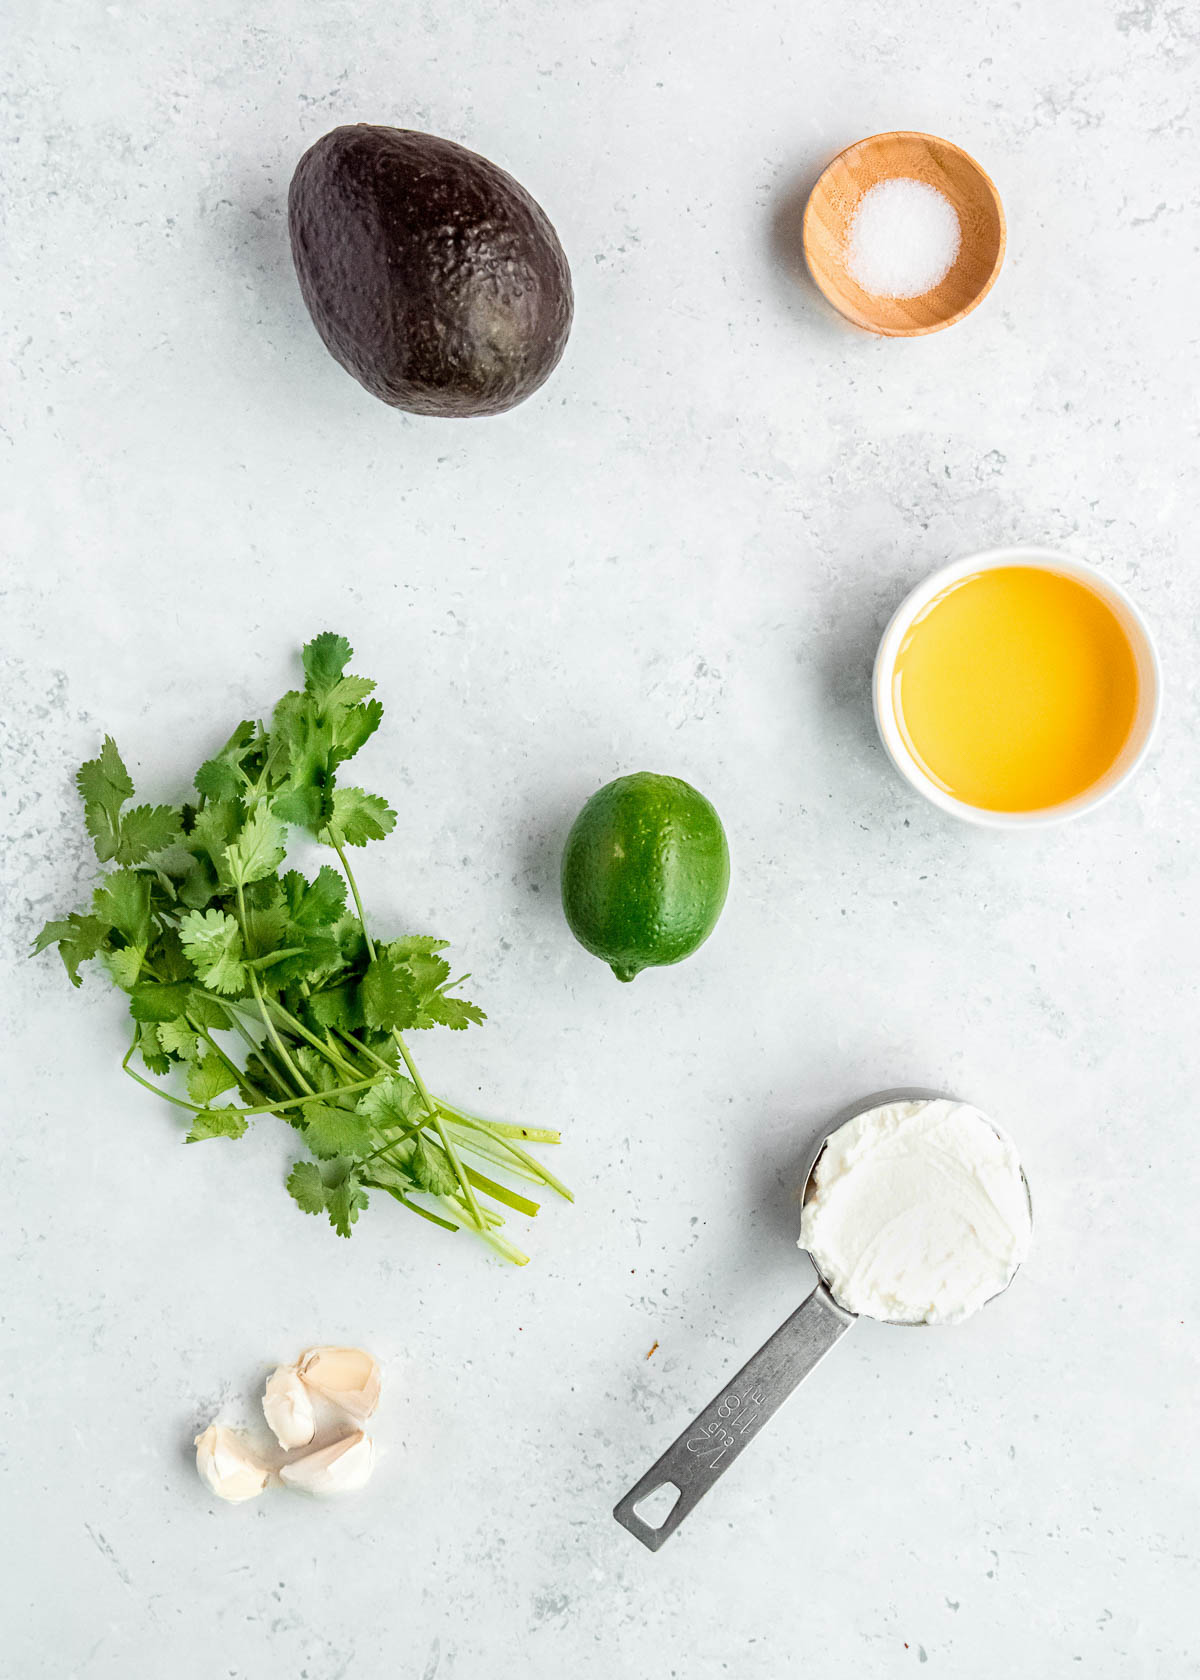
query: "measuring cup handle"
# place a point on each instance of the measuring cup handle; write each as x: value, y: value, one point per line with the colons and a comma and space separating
x: 729, y: 1423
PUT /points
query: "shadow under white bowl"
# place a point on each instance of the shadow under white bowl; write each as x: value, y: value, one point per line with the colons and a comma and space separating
x: 1145, y: 656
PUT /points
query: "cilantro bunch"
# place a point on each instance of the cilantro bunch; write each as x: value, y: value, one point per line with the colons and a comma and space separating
x: 265, y: 990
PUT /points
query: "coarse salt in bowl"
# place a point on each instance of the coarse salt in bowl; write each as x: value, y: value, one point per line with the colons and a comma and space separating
x: 903, y: 238
x: 904, y: 234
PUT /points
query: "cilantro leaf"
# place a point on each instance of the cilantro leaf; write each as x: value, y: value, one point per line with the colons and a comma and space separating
x: 282, y: 951
x: 324, y: 659
x: 430, y: 1169
x: 259, y: 849
x: 53, y: 933
x: 78, y: 938
x: 153, y: 1001
x: 320, y: 1074
x: 348, y: 692
x: 178, y: 1039
x: 145, y: 830
x: 428, y: 972
x: 307, y: 1187
x: 309, y: 954
x: 194, y: 883
x: 265, y: 928
x: 333, y: 1189
x: 125, y: 965
x: 104, y: 786
x: 211, y: 833
x: 352, y: 941
x: 214, y: 1123
x: 259, y: 1077
x: 152, y: 1050
x: 213, y: 942
x: 207, y: 1079
x: 122, y: 901
x: 330, y: 1131
x: 351, y: 728
x: 104, y: 779
x: 265, y: 894
x: 344, y: 1201
x: 393, y: 1102
x: 453, y: 1012
x: 204, y: 1009
x: 304, y: 807
x: 389, y: 999
x: 218, y: 779
x: 220, y: 776
x: 400, y: 950
x: 301, y: 742
x: 339, y: 1007
x: 359, y: 817
x: 170, y: 960
x: 317, y: 903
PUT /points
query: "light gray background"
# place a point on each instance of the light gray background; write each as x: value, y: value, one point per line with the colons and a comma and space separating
x: 678, y: 556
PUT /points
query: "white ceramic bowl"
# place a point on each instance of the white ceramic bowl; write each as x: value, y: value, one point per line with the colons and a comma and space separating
x: 1149, y: 686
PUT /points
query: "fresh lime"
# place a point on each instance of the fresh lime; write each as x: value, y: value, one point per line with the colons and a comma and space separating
x: 645, y: 873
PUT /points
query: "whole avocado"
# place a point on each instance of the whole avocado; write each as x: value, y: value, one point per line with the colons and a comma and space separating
x: 432, y: 276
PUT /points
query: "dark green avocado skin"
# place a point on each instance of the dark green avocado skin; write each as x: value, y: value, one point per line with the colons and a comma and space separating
x: 432, y: 276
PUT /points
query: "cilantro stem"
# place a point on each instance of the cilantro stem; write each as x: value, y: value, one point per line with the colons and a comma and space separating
x: 365, y: 1050
x: 298, y: 1102
x: 501, y: 1244
x: 280, y: 1047
x: 237, y: 1072
x: 413, y: 1207
x: 498, y: 1128
x: 528, y: 1160
x: 193, y: 1108
x: 353, y: 885
x: 510, y: 1198
x: 330, y: 1054
x: 468, y: 1188
x: 460, y: 1172
x: 240, y: 1028
x: 274, y: 1036
x: 406, y: 1131
x: 275, y: 956
x: 493, y: 1150
x: 503, y: 1151
x: 246, y: 1113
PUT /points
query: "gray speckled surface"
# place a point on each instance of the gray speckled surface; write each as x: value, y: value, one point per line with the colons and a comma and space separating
x: 677, y: 556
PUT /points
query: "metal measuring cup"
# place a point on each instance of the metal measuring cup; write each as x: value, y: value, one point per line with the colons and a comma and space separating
x: 727, y: 1425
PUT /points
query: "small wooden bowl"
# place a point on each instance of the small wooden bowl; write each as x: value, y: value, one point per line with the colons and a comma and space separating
x: 917, y: 157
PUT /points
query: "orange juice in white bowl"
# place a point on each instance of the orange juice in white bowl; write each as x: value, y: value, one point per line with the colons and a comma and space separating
x: 1016, y: 687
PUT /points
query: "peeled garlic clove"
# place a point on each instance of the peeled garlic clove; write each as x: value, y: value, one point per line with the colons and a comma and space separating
x: 228, y: 1466
x: 347, y: 1377
x: 288, y: 1408
x: 343, y: 1467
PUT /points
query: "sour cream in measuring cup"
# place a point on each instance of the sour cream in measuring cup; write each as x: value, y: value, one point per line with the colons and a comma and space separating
x: 917, y: 1212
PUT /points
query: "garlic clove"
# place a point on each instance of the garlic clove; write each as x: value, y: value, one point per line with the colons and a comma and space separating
x: 288, y: 1408
x: 347, y: 1377
x: 227, y: 1465
x: 343, y: 1467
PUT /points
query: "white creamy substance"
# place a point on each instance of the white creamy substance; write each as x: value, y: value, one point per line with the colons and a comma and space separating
x: 917, y: 1212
